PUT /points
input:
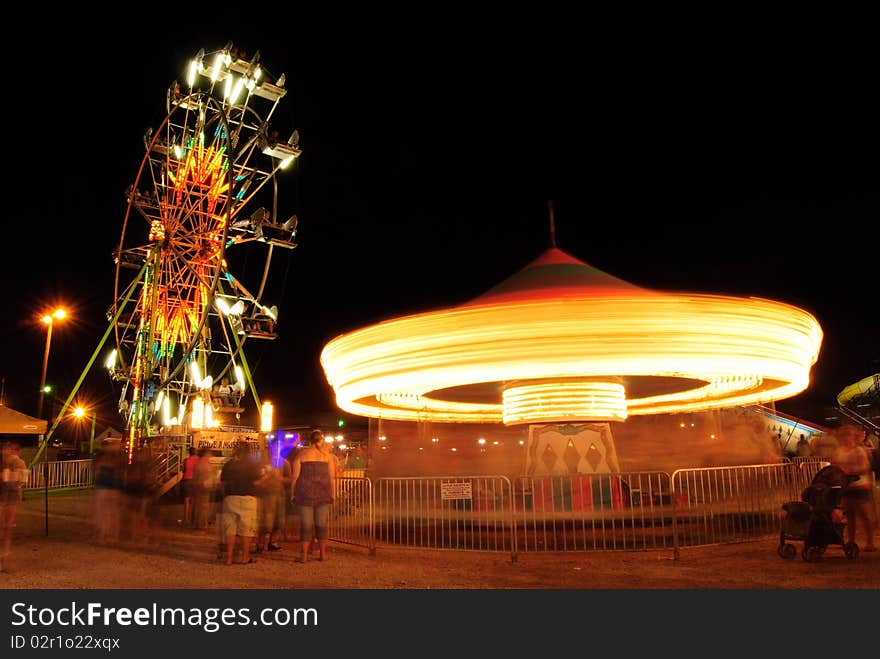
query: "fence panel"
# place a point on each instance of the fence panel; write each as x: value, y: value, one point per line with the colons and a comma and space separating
x: 730, y: 504
x: 61, y: 474
x: 596, y: 511
x: 575, y: 512
x: 351, y: 515
x: 451, y: 512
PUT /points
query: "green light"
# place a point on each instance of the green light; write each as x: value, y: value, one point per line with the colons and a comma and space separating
x: 340, y: 423
x: 47, y: 389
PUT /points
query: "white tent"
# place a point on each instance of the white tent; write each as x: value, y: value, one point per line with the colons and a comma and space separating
x: 16, y: 423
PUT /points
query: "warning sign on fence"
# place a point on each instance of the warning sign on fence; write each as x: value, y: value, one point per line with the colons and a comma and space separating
x: 460, y: 490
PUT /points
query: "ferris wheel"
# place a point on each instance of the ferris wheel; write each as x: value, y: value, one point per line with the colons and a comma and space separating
x: 180, y: 316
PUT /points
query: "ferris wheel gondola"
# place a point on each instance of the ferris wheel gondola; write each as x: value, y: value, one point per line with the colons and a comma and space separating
x: 180, y: 316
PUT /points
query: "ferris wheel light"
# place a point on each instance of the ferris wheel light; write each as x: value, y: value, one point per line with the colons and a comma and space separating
x: 198, y: 413
x: 191, y: 75
x: 236, y: 91
x: 235, y: 310
x: 239, y: 375
x: 110, y: 362
x: 286, y: 162
x: 266, y: 414
x: 166, y: 411
x: 178, y: 152
x: 196, y: 375
x: 218, y: 62
x: 227, y: 88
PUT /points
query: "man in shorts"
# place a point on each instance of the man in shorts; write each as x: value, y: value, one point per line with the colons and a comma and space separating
x: 239, y: 478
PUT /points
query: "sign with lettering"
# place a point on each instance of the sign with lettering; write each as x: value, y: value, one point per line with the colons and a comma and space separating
x: 459, y: 490
x: 224, y: 441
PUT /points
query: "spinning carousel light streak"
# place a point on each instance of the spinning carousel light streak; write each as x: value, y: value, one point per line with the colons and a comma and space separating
x: 562, y: 341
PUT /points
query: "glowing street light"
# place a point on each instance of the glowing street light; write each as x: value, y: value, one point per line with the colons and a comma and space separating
x: 80, y: 413
x: 49, y: 319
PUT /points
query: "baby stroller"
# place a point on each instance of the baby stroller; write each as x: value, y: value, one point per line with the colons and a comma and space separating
x: 817, y: 519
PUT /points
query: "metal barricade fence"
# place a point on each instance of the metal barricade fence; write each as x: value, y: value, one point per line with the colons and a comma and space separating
x: 351, y: 515
x: 449, y: 512
x: 61, y: 474
x: 809, y: 459
x: 578, y: 512
x: 596, y: 511
x: 730, y: 504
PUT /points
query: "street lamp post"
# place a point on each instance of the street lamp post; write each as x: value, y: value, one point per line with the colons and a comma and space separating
x: 92, y: 436
x: 49, y: 320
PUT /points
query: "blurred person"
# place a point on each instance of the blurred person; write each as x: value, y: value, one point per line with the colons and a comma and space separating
x: 270, y: 489
x: 803, y: 448
x: 357, y: 459
x: 314, y: 487
x: 291, y: 520
x: 338, y: 467
x: 239, y: 478
x: 872, y: 442
x: 216, y: 398
x: 107, y: 500
x: 187, y: 485
x: 203, y: 488
x: 338, y: 458
x: 226, y: 393
x: 138, y: 488
x: 13, y: 477
x: 824, y: 445
x: 852, y: 456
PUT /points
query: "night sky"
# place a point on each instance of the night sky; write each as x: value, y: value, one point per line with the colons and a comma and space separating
x: 429, y: 157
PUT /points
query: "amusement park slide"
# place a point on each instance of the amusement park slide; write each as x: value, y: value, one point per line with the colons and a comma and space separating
x: 868, y: 385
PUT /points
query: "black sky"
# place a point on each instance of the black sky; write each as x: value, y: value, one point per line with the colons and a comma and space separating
x: 428, y: 159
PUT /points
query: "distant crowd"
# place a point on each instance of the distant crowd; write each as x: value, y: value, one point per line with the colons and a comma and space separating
x: 253, y: 504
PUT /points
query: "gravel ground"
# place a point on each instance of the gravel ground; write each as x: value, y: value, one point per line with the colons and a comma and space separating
x: 181, y: 558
